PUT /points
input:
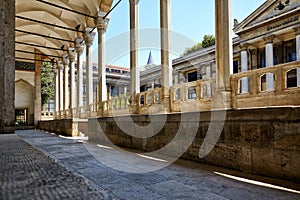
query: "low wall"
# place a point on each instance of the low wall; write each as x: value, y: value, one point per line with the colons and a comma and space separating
x: 257, y: 141
x: 83, y: 127
x: 64, y: 127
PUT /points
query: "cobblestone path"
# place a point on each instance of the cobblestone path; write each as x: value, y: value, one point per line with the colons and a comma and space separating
x: 26, y: 173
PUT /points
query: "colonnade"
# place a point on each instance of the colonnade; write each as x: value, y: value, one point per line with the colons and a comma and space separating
x: 269, y: 60
x: 66, y: 98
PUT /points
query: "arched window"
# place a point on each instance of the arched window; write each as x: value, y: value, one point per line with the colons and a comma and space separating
x: 263, y: 82
x: 291, y: 78
x: 142, y: 100
x: 149, y: 99
x: 243, y: 86
x: 192, y: 93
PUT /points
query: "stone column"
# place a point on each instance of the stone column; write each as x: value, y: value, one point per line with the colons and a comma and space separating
x: 61, y: 86
x: 38, y: 88
x: 244, y: 66
x: 66, y: 62
x: 224, y: 53
x: 56, y: 90
x: 72, y: 96
x: 269, y: 61
x: 79, y: 46
x: 166, y: 62
x: 89, y: 40
x: 297, y: 33
x: 134, y: 54
x: 208, y: 75
x: 125, y: 91
x: 176, y: 77
x: 7, y: 66
x: 101, y: 25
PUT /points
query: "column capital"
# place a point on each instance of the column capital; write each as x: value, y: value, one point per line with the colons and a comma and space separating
x: 244, y: 46
x: 297, y: 30
x: 54, y: 67
x: 60, y: 65
x: 79, y: 45
x: 269, y: 39
x: 65, y: 59
x: 100, y: 22
x: 89, y: 36
x: 71, y: 54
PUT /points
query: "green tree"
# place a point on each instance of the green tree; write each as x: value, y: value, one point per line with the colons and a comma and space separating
x: 194, y: 48
x: 208, y: 40
x: 47, y: 82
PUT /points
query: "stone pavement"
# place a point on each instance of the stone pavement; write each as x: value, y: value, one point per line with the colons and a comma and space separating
x: 26, y: 173
x: 181, y: 180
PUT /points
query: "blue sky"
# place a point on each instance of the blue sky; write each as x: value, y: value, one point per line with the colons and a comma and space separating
x: 190, y: 21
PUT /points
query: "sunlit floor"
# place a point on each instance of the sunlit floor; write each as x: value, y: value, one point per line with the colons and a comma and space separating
x: 135, y: 175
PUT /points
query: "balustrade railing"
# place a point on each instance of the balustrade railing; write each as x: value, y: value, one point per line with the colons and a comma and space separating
x: 149, y: 98
x: 192, y: 96
x: 47, y: 115
x: 271, y: 86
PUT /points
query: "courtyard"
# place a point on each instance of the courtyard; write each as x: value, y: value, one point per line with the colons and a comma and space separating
x: 46, y: 166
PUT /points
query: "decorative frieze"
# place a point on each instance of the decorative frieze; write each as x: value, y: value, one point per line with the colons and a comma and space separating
x: 26, y: 66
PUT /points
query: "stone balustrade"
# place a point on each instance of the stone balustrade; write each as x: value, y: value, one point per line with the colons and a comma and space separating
x: 116, y: 106
x: 199, y: 95
x: 93, y: 109
x: 149, y: 101
x: 150, y: 97
x: 285, y: 91
x: 47, y: 115
x: 193, y: 96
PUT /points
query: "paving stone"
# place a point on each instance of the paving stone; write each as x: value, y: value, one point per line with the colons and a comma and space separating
x: 181, y: 180
x: 26, y: 173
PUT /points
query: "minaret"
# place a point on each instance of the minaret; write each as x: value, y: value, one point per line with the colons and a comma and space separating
x: 150, y: 61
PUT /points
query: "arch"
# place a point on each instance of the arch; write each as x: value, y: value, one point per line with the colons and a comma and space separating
x: 243, y: 85
x: 291, y: 78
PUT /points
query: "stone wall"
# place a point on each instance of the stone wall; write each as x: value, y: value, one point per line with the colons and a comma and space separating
x: 64, y: 127
x: 257, y: 141
x: 83, y: 128
x: 7, y: 66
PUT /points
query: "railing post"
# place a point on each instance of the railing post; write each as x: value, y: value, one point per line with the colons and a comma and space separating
x: 279, y: 81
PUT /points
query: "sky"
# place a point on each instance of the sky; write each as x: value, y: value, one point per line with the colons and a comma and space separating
x: 190, y: 21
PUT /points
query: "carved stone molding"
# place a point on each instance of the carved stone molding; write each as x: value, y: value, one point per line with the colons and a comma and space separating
x: 244, y: 46
x: 89, y: 36
x: 297, y: 30
x: 269, y: 39
x: 72, y: 54
x: 79, y: 45
x: 100, y: 22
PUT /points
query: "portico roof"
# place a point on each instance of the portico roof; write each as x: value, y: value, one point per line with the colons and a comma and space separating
x: 30, y: 30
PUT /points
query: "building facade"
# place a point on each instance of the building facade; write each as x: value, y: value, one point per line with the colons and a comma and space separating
x: 264, y: 67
